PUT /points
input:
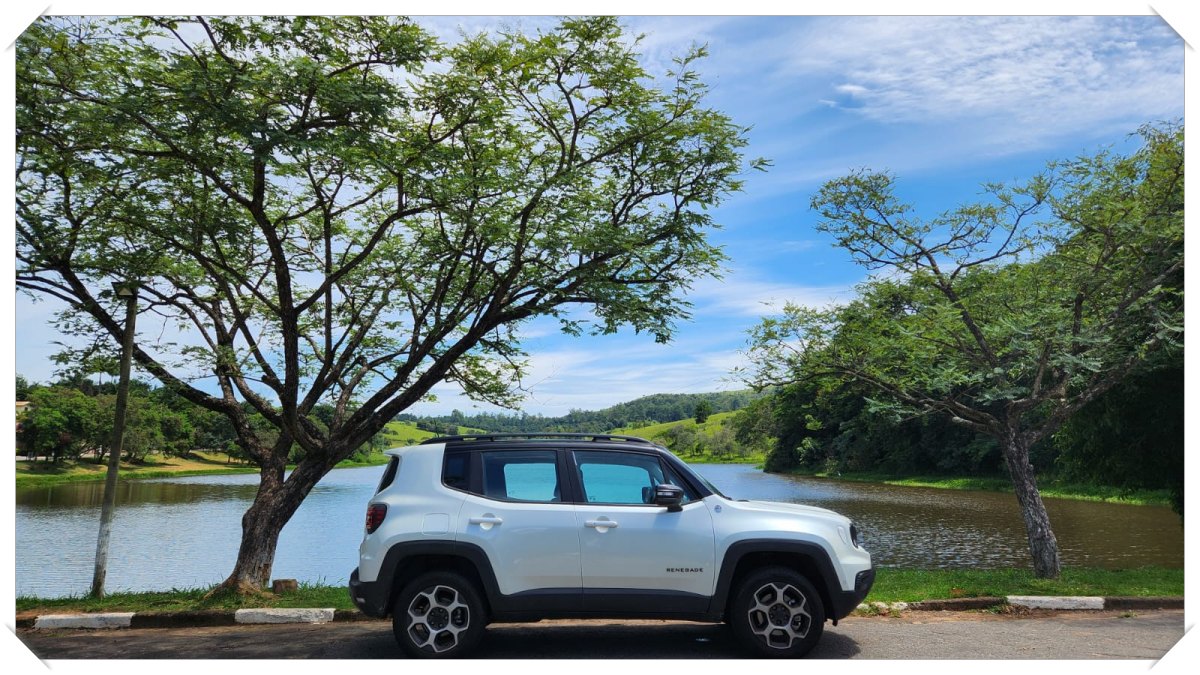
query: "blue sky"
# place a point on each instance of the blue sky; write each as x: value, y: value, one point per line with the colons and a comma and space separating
x: 946, y: 103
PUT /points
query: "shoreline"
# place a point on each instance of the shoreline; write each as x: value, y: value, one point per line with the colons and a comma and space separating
x: 1087, y: 493
x: 85, y: 471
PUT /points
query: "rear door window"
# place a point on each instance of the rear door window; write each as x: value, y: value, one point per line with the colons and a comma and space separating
x: 521, y: 475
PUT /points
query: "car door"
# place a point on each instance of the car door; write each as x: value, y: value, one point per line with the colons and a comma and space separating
x: 515, y: 512
x: 633, y: 550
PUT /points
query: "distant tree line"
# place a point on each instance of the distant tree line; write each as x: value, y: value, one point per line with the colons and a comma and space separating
x: 644, y: 411
x: 1129, y: 438
x: 72, y: 419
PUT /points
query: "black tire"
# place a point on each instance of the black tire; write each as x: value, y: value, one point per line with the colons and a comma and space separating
x: 776, y: 613
x: 438, y: 615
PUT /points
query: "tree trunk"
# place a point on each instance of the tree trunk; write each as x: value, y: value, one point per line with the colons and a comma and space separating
x: 274, y: 504
x: 1043, y: 546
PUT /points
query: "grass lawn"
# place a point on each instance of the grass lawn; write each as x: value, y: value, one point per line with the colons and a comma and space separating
x: 891, y: 585
x: 908, y: 585
x: 308, y: 595
x: 34, y: 474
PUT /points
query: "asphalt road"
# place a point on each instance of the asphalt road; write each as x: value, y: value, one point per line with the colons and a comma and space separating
x: 916, y: 635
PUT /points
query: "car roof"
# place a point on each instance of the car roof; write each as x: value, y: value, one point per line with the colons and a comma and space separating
x: 606, y: 441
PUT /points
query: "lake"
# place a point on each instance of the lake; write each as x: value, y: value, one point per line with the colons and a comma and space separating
x: 183, y: 532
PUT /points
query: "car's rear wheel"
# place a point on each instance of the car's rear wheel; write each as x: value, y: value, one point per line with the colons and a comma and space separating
x: 777, y: 613
x: 438, y: 615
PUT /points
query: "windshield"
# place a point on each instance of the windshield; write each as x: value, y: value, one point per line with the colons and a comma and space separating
x: 691, y: 473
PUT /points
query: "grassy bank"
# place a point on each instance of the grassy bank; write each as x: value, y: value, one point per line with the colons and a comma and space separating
x: 202, y: 464
x: 1048, y: 488
x: 891, y: 585
x: 907, y: 585
x: 308, y: 595
x: 39, y: 474
x: 756, y: 460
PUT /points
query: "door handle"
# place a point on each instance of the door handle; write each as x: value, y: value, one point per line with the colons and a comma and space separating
x: 601, y: 524
x: 486, y: 521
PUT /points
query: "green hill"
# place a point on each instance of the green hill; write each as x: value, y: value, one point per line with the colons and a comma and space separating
x: 406, y: 433
x: 655, y: 432
x: 710, y: 442
x: 651, y: 409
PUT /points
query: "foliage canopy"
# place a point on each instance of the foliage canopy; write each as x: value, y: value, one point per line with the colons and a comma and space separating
x: 1008, y: 316
x: 342, y: 211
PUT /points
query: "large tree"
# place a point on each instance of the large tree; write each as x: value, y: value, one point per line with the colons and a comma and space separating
x: 1008, y: 316
x: 343, y: 211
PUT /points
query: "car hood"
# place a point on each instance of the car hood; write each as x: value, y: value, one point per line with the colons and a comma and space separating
x: 790, y: 508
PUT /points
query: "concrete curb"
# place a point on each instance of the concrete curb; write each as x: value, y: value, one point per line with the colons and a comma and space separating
x: 202, y: 618
x: 270, y: 615
x: 1060, y: 603
x: 192, y: 619
x: 99, y: 620
x: 1043, y: 602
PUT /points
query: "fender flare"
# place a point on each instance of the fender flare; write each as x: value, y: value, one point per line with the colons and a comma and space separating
x: 827, y: 583
x: 378, y: 595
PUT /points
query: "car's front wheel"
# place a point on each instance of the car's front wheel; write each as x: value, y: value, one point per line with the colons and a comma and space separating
x: 438, y: 615
x: 777, y: 613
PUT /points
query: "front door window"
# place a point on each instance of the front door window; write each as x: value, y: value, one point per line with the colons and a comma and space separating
x: 618, y: 478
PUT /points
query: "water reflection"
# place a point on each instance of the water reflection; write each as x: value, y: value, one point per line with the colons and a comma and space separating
x: 930, y: 528
x: 184, y: 532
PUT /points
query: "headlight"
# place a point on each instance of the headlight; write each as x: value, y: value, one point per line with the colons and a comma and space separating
x: 855, y: 536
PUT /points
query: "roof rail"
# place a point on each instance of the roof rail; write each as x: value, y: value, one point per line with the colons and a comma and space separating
x: 535, y: 436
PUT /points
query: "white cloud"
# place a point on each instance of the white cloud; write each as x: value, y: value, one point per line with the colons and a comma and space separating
x: 595, y: 372
x: 747, y: 297
x: 599, y: 378
x: 1046, y: 75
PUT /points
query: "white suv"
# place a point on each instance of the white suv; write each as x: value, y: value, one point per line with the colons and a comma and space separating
x: 467, y: 530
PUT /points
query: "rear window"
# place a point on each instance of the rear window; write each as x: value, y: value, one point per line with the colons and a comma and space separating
x: 456, y: 472
x: 389, y: 474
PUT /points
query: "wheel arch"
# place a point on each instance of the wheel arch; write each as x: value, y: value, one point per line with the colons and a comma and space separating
x: 808, y: 558
x: 407, y: 560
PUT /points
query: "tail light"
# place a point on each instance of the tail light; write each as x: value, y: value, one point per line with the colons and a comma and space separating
x: 375, y: 516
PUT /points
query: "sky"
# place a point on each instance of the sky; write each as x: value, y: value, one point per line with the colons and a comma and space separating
x: 946, y: 103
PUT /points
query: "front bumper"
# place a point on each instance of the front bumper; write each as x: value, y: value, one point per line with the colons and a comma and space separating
x: 844, y: 602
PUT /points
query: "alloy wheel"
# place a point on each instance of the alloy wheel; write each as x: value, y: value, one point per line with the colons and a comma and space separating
x: 779, y: 615
x: 437, y: 616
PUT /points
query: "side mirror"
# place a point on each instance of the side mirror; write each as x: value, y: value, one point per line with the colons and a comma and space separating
x: 669, y: 496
